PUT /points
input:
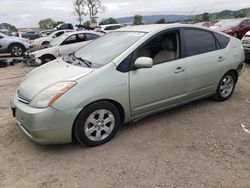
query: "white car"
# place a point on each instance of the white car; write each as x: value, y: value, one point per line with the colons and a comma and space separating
x: 109, y: 28
x: 63, y: 45
x: 46, y: 40
x: 246, y: 46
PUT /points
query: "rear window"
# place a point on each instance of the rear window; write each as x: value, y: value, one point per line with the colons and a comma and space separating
x: 223, y: 40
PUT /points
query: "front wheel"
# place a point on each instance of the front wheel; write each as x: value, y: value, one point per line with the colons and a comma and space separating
x: 97, y: 123
x: 16, y: 50
x: 226, y: 87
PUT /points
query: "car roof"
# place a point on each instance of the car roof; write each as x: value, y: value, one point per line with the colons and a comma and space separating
x: 79, y: 32
x: 156, y: 27
x: 110, y: 25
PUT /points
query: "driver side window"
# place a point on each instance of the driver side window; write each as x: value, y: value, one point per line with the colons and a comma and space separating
x: 74, y: 39
x: 162, y: 48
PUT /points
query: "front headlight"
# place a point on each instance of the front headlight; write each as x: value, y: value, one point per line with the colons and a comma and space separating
x: 49, y: 95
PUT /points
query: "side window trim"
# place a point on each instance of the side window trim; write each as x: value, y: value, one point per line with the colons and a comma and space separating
x: 132, y: 57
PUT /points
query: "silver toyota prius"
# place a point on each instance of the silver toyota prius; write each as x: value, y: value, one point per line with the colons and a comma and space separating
x: 122, y: 77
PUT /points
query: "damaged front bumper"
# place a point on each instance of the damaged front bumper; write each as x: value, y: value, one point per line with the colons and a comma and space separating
x: 31, y: 60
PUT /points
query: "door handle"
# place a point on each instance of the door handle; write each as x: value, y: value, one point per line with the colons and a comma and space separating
x: 179, y: 70
x: 221, y: 59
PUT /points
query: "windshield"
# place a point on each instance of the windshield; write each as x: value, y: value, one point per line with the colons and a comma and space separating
x: 57, y: 41
x: 105, y: 49
x: 227, y: 23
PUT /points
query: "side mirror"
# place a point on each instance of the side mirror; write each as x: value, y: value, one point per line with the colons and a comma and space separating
x: 143, y: 62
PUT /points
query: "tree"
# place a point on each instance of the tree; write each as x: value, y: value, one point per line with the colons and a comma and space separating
x: 47, y: 23
x: 92, y: 7
x: 8, y: 26
x: 241, y: 15
x: 138, y: 20
x: 110, y: 20
x: 161, y: 21
x: 80, y: 10
x: 205, y: 16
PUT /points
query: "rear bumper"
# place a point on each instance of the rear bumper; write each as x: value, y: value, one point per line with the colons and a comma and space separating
x: 44, y: 126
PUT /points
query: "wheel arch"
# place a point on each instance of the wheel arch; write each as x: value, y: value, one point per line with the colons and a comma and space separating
x: 235, y: 73
x: 117, y: 105
x: 15, y: 43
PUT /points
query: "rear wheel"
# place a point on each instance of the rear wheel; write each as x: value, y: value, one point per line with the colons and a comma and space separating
x: 16, y: 50
x: 97, y: 123
x: 226, y: 87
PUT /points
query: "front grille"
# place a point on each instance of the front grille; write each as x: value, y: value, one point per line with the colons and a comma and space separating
x: 22, y: 99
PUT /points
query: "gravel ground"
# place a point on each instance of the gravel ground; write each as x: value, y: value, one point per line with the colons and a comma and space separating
x: 197, y: 145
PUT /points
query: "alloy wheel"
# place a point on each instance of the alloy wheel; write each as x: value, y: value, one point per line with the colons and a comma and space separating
x: 17, y: 51
x: 226, y: 86
x: 99, y: 125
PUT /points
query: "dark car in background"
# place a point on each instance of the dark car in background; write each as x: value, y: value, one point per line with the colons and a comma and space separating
x: 31, y: 35
x: 234, y: 27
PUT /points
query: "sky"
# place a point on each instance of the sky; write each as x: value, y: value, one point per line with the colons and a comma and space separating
x: 27, y: 13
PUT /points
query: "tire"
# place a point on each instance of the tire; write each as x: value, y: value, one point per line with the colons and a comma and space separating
x: 226, y: 87
x: 247, y: 61
x: 90, y: 128
x: 45, y: 43
x: 236, y: 35
x: 47, y: 58
x: 16, y: 50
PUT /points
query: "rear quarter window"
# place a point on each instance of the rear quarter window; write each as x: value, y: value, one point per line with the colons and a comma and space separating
x: 198, y: 42
x: 223, y: 40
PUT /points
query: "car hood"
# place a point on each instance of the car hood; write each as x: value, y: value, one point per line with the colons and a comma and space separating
x: 224, y: 28
x: 19, y: 39
x: 38, y: 48
x: 48, y: 74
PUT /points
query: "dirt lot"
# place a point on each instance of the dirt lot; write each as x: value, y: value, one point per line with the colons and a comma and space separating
x: 197, y: 145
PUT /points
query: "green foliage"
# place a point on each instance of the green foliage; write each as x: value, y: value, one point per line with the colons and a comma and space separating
x: 107, y: 21
x: 205, y: 16
x: 161, y: 21
x: 47, y: 23
x: 138, y: 20
x: 8, y: 26
x: 241, y: 15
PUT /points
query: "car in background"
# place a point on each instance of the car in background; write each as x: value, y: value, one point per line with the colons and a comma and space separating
x: 234, y: 27
x: 64, y: 26
x: 61, y: 46
x: 204, y: 24
x: 246, y: 46
x: 125, y: 76
x: 14, y: 45
x: 31, y: 35
x: 46, y: 40
x: 110, y: 27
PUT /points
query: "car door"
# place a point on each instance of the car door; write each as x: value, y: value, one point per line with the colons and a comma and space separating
x: 163, y: 85
x: 205, y: 61
x: 72, y: 44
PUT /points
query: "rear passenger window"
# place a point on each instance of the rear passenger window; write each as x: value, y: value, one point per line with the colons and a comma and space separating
x: 198, y: 42
x: 223, y: 40
x: 91, y: 36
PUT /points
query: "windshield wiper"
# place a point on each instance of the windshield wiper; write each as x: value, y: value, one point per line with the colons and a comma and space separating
x: 86, y: 62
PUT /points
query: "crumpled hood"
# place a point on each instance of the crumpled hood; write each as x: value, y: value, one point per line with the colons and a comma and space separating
x: 38, y: 48
x: 48, y: 74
